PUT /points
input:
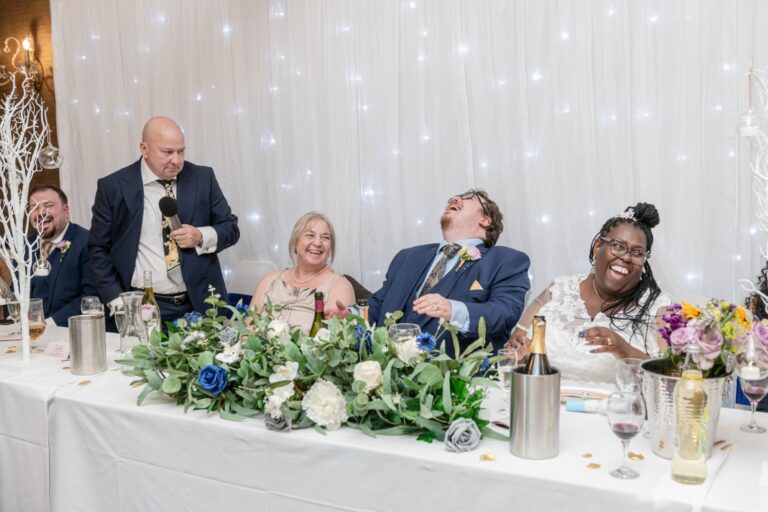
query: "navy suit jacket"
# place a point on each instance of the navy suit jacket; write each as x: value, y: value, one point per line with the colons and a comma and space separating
x: 118, y: 211
x: 70, y: 279
x: 501, y: 272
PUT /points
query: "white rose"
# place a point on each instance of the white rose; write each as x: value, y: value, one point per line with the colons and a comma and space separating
x: 272, y: 407
x: 407, y: 350
x: 370, y: 373
x: 195, y: 338
x: 325, y: 405
x: 323, y: 335
x: 288, y: 371
x: 281, y: 393
x: 231, y: 354
x: 278, y: 328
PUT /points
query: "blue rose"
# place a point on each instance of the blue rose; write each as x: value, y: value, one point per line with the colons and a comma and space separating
x: 242, y: 308
x: 484, y: 365
x: 193, y: 318
x: 426, y: 342
x: 364, y: 335
x: 213, y: 379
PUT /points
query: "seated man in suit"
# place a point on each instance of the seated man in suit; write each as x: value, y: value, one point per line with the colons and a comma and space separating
x: 130, y: 235
x: 64, y: 245
x: 463, y: 278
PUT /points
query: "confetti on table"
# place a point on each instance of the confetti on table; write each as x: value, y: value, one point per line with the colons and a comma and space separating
x: 726, y: 446
x: 11, y: 350
x: 83, y: 383
x: 593, y: 465
x: 137, y: 384
x: 717, y: 443
x: 587, y: 455
x: 66, y: 367
x: 487, y: 457
x: 635, y: 456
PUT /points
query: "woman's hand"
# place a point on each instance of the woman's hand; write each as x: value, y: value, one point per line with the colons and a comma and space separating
x: 608, y: 340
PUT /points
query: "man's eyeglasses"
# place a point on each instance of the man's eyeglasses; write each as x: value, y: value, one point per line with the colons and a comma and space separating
x: 619, y: 249
x: 469, y: 195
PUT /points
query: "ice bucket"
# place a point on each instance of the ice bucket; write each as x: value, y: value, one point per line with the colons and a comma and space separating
x: 659, y: 382
x: 87, y: 344
x: 534, y: 415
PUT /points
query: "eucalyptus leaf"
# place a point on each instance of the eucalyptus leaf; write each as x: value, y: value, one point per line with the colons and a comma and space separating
x: 171, y: 385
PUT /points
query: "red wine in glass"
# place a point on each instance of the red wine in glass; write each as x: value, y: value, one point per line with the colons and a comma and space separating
x: 754, y: 393
x: 625, y: 431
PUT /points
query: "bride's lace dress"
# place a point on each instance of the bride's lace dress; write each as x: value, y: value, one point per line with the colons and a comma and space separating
x: 566, y: 315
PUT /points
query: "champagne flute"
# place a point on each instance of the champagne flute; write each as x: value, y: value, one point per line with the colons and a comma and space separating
x: 36, y: 319
x: 504, y: 368
x: 754, y: 384
x: 91, y: 306
x: 628, y: 374
x: 14, y: 311
x: 625, y: 413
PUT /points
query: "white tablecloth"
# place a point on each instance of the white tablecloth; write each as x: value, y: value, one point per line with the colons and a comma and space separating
x: 109, y: 454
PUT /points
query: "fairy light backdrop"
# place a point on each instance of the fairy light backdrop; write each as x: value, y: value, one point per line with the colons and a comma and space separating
x: 376, y: 112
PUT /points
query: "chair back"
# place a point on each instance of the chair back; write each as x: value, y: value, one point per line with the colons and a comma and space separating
x: 247, y: 275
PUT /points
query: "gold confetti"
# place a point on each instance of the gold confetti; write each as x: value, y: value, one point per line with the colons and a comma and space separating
x: 717, y: 443
x: 83, y: 383
x: 487, y: 457
x: 587, y: 455
x: 66, y: 367
x: 661, y: 444
x: 726, y: 446
x: 593, y: 465
x: 11, y: 350
x: 635, y: 456
x: 137, y: 384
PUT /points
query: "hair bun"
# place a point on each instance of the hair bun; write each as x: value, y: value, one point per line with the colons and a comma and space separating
x: 647, y: 214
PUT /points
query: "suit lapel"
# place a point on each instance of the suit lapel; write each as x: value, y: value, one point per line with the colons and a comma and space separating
x: 413, y: 276
x: 132, y: 189
x: 186, y: 191
x: 449, y: 281
x: 56, y: 259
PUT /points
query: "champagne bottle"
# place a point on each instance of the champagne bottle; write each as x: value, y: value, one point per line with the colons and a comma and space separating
x: 150, y: 311
x: 362, y: 309
x: 317, y: 322
x: 689, y: 465
x: 537, y: 362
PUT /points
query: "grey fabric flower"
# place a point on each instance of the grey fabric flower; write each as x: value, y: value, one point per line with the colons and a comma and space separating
x: 281, y: 424
x: 462, y: 436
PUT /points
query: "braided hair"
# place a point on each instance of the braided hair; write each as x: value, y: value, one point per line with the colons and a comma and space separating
x: 627, y: 310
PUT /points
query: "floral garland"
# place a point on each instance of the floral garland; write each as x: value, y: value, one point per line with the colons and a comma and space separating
x: 348, y: 374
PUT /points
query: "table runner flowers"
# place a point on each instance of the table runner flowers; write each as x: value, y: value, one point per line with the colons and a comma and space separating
x: 348, y: 374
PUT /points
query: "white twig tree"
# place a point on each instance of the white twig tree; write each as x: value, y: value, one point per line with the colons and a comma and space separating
x: 23, y: 136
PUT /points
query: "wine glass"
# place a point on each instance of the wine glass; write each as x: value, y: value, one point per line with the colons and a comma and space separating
x: 119, y: 313
x: 91, y: 306
x: 504, y: 368
x: 754, y: 384
x: 36, y: 319
x: 403, y: 332
x: 625, y: 412
x: 628, y: 376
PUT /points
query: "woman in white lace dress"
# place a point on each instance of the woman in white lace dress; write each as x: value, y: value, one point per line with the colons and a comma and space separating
x: 611, y: 313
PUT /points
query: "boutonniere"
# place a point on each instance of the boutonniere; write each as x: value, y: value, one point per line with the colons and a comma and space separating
x: 63, y: 246
x: 471, y: 254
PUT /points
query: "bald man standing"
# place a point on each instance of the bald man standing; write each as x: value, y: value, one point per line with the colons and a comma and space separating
x: 129, y: 234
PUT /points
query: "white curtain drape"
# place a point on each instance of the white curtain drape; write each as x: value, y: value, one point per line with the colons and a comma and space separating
x: 375, y: 112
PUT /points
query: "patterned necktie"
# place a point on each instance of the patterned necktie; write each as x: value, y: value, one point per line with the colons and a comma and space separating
x: 449, y: 251
x: 45, y: 249
x: 170, y: 249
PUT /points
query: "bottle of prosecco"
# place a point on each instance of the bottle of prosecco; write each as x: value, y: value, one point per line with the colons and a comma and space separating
x: 537, y: 362
x: 317, y: 322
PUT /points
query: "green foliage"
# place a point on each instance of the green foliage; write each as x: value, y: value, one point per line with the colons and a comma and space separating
x: 272, y: 367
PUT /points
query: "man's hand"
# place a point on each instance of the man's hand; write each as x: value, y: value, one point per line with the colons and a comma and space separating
x: 187, y: 237
x: 434, y: 305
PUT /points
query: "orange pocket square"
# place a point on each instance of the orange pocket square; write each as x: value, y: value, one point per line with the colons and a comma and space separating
x: 476, y: 286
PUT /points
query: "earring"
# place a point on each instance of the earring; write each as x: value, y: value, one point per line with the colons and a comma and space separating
x: 592, y: 270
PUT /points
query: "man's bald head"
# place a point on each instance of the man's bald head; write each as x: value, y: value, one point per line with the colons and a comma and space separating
x: 162, y: 144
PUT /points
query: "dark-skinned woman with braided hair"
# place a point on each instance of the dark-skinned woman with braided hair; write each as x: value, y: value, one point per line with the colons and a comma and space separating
x: 608, y: 314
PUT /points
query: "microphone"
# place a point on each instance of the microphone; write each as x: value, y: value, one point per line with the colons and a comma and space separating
x: 169, y: 209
